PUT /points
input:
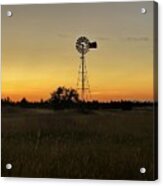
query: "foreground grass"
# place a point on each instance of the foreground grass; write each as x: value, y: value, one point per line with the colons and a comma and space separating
x: 105, y: 144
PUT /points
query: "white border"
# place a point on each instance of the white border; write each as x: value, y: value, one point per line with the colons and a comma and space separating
x: 5, y: 2
x: 69, y: 182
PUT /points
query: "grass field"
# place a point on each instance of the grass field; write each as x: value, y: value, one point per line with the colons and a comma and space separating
x: 102, y: 144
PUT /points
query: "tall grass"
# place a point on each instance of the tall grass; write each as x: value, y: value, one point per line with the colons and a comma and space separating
x: 105, y: 144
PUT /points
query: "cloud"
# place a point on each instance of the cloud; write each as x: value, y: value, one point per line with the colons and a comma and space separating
x: 64, y: 35
x: 135, y: 38
x: 103, y: 38
x: 95, y: 92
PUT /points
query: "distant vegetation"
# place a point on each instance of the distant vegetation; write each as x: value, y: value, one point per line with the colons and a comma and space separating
x: 64, y: 98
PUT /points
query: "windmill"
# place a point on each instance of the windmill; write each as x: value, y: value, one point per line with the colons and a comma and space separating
x: 83, y: 45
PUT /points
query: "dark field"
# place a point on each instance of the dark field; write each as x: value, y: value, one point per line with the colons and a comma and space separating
x: 102, y: 144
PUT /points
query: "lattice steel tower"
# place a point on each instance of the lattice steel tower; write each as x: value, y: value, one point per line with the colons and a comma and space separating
x: 83, y: 45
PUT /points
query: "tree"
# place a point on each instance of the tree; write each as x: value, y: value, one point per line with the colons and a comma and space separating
x: 7, y: 101
x: 24, y: 103
x: 64, y: 97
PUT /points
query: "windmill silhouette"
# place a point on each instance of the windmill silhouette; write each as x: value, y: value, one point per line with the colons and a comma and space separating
x: 83, y: 45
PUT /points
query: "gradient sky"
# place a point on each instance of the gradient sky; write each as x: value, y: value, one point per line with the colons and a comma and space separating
x: 38, y: 49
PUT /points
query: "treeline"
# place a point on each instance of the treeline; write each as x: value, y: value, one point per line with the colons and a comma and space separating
x: 93, y: 105
x: 64, y: 98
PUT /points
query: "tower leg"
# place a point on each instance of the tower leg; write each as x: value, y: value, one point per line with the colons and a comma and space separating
x: 83, y: 79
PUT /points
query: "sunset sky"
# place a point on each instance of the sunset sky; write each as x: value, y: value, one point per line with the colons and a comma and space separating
x: 38, y: 49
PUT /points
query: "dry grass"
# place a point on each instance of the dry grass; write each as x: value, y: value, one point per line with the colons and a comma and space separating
x: 106, y: 144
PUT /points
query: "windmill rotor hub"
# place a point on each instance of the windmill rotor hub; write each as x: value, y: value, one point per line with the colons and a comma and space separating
x: 82, y: 45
